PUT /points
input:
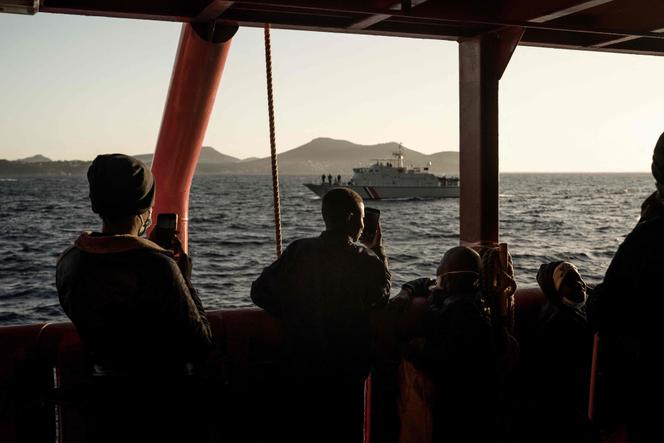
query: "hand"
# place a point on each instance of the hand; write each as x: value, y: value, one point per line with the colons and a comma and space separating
x: 401, y: 302
x: 182, y: 259
x: 376, y: 241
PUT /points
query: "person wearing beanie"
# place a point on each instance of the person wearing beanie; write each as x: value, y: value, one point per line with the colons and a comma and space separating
x: 137, y: 314
x: 556, y: 362
x: 626, y: 309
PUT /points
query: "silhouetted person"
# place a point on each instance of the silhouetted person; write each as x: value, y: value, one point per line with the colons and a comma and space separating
x: 339, y: 179
x: 626, y: 309
x: 329, y: 178
x: 322, y: 178
x: 557, y: 367
x: 457, y: 352
x: 136, y: 313
x: 324, y: 290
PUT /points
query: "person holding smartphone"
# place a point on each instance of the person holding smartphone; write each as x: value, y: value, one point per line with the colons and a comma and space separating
x: 133, y: 306
x: 324, y: 290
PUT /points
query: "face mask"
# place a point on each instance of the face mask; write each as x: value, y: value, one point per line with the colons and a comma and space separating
x: 567, y: 302
x: 451, y: 280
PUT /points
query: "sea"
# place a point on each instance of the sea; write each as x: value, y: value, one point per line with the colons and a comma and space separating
x: 581, y: 218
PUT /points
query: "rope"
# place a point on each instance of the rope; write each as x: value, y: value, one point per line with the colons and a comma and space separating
x: 498, y: 285
x: 273, y: 142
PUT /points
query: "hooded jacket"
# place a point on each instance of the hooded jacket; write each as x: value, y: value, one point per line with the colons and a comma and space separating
x: 133, y: 309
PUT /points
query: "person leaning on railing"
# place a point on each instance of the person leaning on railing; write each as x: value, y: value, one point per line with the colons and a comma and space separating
x: 132, y: 304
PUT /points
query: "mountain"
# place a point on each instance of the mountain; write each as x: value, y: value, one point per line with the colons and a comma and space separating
x: 35, y: 159
x: 319, y: 156
x: 330, y: 156
x: 209, y: 156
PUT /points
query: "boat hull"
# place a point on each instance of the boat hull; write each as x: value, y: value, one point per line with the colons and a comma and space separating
x: 389, y: 192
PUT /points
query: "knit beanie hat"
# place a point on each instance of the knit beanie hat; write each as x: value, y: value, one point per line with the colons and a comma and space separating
x: 120, y: 185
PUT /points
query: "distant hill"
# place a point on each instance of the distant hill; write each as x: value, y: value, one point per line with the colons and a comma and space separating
x: 319, y: 156
x: 330, y: 156
x: 209, y: 156
x: 35, y: 159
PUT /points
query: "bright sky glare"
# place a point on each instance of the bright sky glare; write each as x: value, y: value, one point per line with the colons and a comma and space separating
x: 73, y: 87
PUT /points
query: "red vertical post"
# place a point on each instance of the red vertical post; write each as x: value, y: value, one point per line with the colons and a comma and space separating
x: 482, y: 61
x: 199, y: 63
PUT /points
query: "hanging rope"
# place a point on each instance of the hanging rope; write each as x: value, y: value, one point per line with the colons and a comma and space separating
x: 273, y: 142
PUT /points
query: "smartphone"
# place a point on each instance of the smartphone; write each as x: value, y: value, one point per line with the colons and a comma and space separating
x: 371, y: 217
x: 165, y: 230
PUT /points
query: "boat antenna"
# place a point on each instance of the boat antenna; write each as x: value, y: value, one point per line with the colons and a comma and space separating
x: 273, y: 141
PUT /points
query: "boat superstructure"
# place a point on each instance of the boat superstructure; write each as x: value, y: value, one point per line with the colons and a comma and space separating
x: 35, y: 359
x: 390, y: 179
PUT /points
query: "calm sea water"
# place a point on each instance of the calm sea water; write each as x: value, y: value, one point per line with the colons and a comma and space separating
x: 577, y: 217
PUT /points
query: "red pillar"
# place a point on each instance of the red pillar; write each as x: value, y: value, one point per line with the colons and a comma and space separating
x: 482, y: 61
x: 199, y: 62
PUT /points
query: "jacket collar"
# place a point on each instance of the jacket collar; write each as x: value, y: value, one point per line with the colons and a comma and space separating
x: 336, y: 237
x: 97, y: 243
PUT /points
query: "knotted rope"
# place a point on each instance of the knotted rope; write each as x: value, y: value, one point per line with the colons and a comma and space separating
x: 273, y: 142
x: 498, y: 284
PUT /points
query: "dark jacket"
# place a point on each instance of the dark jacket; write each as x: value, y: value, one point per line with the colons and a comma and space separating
x: 626, y: 309
x: 459, y: 355
x: 324, y: 290
x: 556, y: 377
x: 131, y: 305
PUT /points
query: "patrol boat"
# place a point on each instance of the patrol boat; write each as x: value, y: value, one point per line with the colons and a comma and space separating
x: 390, y: 179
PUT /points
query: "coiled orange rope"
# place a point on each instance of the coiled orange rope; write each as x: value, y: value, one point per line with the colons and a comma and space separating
x: 273, y: 142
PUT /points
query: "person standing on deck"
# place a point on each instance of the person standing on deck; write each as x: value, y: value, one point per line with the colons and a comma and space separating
x: 626, y: 309
x: 324, y: 289
x: 133, y: 306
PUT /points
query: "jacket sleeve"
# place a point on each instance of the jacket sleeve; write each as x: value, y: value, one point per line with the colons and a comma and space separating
x: 419, y: 287
x: 607, y: 301
x: 266, y: 289
x: 189, y: 314
x: 380, y: 281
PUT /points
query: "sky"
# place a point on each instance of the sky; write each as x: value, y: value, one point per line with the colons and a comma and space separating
x: 73, y: 87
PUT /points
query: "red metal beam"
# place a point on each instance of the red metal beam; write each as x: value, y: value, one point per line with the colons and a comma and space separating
x: 198, y: 67
x: 482, y: 61
x: 469, y: 14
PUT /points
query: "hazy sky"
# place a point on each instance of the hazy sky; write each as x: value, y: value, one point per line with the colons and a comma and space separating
x: 72, y: 87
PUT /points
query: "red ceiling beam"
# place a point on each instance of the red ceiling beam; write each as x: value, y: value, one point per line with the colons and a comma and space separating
x: 568, y: 11
x: 377, y: 18
x: 213, y: 10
